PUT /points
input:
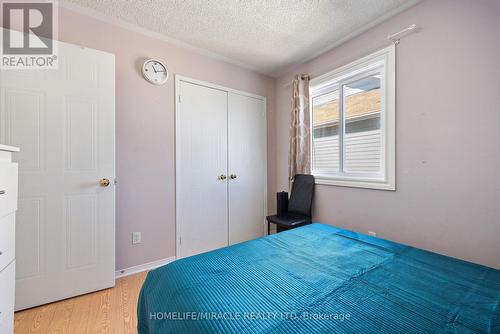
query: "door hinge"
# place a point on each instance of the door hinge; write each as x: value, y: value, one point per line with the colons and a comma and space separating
x: 179, y: 99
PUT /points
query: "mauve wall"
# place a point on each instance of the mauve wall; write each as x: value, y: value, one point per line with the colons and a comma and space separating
x: 448, y: 133
x: 145, y: 196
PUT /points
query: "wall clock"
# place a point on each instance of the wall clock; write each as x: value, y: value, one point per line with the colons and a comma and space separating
x: 155, y: 71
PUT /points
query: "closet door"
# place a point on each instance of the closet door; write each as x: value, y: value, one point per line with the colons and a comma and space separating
x: 201, y: 125
x: 247, y: 167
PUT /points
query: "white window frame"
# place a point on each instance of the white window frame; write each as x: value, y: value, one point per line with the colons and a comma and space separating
x: 383, y: 61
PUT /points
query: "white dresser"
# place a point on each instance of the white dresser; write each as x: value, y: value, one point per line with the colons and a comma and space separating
x: 8, y: 207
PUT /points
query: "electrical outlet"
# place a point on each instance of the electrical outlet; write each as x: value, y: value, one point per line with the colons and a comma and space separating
x: 136, y: 238
x: 371, y: 233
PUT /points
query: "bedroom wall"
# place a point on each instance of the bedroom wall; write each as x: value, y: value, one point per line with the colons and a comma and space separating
x: 448, y: 133
x: 145, y: 128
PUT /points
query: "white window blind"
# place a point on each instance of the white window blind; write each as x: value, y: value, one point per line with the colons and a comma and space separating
x: 353, y: 123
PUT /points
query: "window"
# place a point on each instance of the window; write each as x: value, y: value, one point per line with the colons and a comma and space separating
x: 353, y: 123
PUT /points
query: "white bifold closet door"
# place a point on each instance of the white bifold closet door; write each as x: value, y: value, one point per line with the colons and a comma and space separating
x: 201, y: 159
x: 247, y: 163
x: 220, y: 167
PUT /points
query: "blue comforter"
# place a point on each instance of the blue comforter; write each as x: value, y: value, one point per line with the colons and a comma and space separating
x: 320, y: 279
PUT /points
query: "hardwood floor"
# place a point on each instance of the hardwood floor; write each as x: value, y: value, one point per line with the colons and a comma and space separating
x: 107, y: 311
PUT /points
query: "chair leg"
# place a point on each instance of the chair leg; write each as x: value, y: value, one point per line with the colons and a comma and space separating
x: 268, y: 228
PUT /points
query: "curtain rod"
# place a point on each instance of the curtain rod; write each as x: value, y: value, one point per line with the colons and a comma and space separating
x: 394, y: 38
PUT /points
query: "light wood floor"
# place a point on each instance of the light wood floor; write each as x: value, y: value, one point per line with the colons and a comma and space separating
x: 107, y: 311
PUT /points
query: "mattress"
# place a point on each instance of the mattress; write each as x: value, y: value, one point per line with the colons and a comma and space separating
x: 320, y: 279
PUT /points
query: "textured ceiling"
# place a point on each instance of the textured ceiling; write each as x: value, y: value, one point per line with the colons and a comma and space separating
x: 269, y: 36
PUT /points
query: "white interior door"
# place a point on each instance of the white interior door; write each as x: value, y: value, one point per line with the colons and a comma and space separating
x: 201, y: 158
x: 63, y: 121
x: 247, y: 167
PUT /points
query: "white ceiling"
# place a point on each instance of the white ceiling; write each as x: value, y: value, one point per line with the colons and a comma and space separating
x: 268, y: 36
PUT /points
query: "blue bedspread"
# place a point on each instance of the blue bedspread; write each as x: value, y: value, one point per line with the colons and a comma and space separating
x: 320, y: 279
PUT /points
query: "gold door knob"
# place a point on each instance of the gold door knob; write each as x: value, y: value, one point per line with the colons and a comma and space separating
x: 232, y: 176
x: 104, y: 182
x: 222, y: 177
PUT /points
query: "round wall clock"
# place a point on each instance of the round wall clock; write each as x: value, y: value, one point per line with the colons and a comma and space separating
x: 155, y: 71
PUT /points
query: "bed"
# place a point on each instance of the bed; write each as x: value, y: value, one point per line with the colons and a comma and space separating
x: 320, y: 279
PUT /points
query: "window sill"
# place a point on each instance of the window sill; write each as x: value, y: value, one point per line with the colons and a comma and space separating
x: 355, y: 182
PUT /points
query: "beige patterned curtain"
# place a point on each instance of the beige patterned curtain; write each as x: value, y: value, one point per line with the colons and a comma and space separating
x: 299, y: 156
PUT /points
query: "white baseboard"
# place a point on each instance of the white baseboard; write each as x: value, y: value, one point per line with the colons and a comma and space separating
x: 143, y: 267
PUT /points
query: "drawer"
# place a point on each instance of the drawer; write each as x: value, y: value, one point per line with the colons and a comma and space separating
x: 5, y: 156
x: 7, y: 288
x: 8, y: 188
x: 7, y: 240
x: 7, y: 325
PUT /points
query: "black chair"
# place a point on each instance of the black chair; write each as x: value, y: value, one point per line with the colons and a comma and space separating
x: 299, y: 205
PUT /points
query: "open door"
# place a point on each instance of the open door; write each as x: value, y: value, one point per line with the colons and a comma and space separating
x: 63, y: 121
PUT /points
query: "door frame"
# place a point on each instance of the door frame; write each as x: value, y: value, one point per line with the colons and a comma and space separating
x: 178, y: 80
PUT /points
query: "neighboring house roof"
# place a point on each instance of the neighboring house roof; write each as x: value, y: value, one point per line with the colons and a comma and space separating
x: 357, y: 105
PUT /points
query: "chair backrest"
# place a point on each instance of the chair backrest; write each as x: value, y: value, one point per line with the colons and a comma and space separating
x: 302, y: 194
